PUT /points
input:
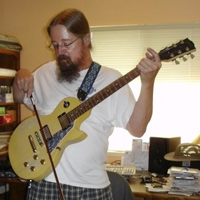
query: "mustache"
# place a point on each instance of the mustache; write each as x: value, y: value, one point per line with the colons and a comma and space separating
x: 64, y: 62
x: 64, y: 57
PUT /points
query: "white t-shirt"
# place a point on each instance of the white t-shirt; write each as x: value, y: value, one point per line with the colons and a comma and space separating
x: 82, y: 163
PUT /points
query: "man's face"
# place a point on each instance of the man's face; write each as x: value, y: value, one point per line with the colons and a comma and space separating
x: 69, y: 51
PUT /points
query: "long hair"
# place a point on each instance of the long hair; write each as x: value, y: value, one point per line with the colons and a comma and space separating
x: 74, y: 21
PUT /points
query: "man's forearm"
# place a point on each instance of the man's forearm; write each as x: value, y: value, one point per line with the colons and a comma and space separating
x: 142, y: 112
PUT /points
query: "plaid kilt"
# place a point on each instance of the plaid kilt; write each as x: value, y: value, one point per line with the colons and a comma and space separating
x: 44, y: 190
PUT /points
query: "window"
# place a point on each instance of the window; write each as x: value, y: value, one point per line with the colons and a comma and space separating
x: 177, y: 87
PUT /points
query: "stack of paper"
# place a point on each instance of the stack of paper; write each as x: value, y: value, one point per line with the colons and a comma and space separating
x: 160, y: 189
x: 184, y: 181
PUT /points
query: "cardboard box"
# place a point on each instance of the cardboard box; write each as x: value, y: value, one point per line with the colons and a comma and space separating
x: 2, y: 110
x: 6, y: 119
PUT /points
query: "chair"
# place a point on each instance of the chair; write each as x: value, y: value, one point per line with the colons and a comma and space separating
x: 120, y: 187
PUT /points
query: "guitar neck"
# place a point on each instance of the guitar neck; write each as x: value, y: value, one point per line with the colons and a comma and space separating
x: 102, y: 94
x: 184, y: 47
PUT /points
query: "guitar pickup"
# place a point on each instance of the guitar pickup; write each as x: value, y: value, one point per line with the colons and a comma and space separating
x: 39, y: 139
x: 62, y: 118
x: 46, y: 131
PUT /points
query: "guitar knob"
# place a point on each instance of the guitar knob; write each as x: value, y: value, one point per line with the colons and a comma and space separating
x: 35, y: 157
x: 32, y: 168
x: 26, y: 164
x: 42, y: 161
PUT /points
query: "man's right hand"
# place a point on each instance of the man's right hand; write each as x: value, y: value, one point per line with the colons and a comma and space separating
x: 23, y: 84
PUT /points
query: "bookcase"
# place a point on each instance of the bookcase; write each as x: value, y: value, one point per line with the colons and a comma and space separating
x: 10, y: 114
x: 9, y: 110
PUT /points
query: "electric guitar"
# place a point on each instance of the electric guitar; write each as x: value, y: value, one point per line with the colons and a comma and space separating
x: 27, y: 150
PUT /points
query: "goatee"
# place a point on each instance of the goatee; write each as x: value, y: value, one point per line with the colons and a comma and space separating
x: 67, y: 70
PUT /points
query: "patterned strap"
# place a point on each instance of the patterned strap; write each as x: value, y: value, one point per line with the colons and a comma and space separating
x: 88, y: 81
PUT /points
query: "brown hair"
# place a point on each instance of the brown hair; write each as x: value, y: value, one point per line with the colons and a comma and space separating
x: 74, y: 21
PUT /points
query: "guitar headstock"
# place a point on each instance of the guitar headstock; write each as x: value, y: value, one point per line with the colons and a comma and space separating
x: 178, y: 50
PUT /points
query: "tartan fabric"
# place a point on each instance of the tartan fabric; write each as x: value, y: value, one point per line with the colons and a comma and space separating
x: 44, y: 190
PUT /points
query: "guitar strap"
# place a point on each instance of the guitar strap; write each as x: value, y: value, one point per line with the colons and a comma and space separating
x: 88, y: 81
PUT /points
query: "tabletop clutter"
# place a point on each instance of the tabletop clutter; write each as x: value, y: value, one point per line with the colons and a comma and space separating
x: 184, y: 181
x: 181, y: 181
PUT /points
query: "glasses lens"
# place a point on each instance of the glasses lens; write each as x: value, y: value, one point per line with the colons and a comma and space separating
x: 53, y: 46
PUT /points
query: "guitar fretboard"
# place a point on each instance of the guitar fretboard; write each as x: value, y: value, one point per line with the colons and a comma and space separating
x: 101, y: 95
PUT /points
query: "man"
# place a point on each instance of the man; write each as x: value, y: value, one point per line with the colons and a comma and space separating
x: 81, y: 171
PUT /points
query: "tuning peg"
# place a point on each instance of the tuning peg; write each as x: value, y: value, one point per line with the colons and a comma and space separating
x: 184, y: 59
x: 192, y: 56
x: 177, y: 62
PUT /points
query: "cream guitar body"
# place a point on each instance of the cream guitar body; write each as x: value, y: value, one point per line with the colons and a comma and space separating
x: 27, y: 150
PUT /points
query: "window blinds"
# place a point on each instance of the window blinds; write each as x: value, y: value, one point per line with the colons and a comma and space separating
x: 122, y: 48
x: 177, y: 89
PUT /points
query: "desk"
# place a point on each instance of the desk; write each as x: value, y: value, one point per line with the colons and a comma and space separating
x: 140, y: 193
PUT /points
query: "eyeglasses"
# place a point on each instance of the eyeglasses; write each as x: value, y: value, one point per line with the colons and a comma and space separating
x: 65, y: 45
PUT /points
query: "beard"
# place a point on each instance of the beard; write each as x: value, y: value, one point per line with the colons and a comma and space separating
x: 67, y: 70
